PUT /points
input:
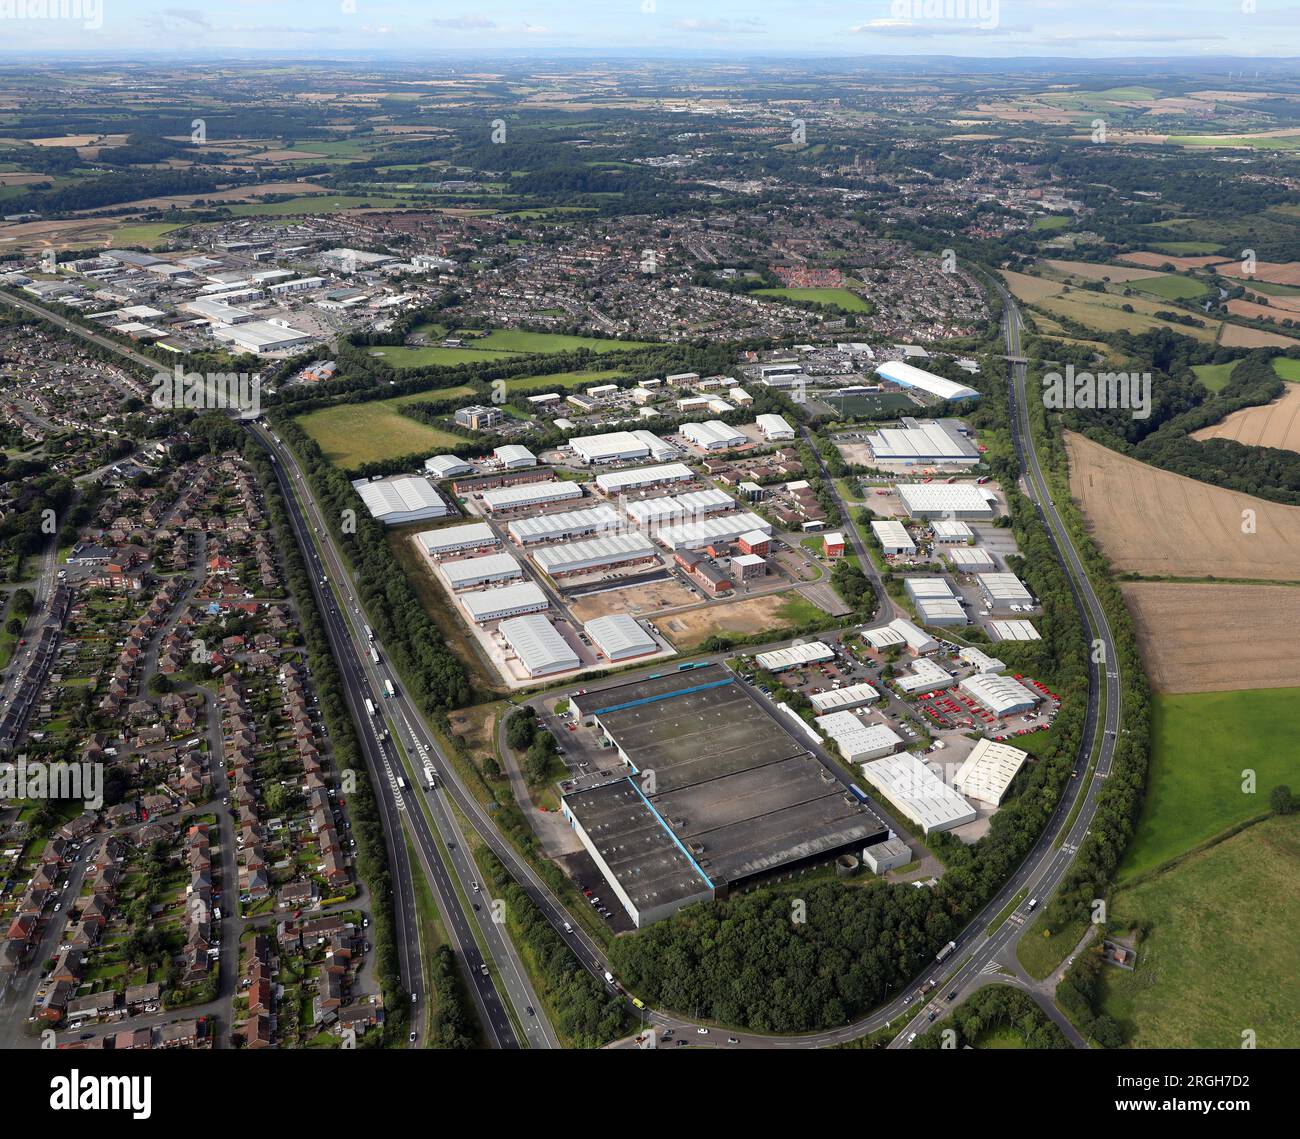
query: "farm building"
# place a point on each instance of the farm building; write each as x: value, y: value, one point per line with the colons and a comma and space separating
x: 446, y: 466
x: 946, y: 500
x: 620, y: 637
x: 918, y: 792
x: 988, y: 771
x: 617, y: 482
x: 851, y: 696
x: 538, y: 645
x: 811, y: 652
x: 504, y: 498
x: 485, y: 605
x: 859, y: 742
x: 605, y: 552
x: 454, y: 539
x: 466, y: 573
x: 1001, y: 695
x: 404, y: 498
x: 907, y: 376
x: 894, y: 538
x: 566, y: 524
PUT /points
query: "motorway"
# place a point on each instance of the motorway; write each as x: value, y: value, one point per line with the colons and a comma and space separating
x: 979, y: 955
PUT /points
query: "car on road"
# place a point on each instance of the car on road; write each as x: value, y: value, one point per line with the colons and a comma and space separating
x: 953, y: 995
x: 529, y: 1010
x: 474, y: 886
x: 732, y: 1040
x: 701, y: 1032
x: 911, y: 1037
x: 1033, y: 904
x: 413, y: 1037
x: 415, y: 997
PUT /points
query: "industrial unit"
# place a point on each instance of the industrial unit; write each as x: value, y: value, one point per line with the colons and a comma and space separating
x: 720, y: 528
x: 979, y: 660
x: 948, y: 532
x: 465, y: 573
x: 1003, y: 590
x: 900, y: 631
x: 859, y: 742
x: 518, y: 497
x: 446, y: 466
x: 794, y: 656
x: 620, y: 637
x: 1014, y: 631
x: 922, y: 676
x: 918, y: 792
x: 947, y: 500
x: 596, y: 553
x: 538, y: 645
x: 907, y: 376
x: 619, y: 482
x: 678, y: 509
x: 621, y: 446
x: 988, y: 771
x: 774, y: 428
x: 851, y: 696
x: 970, y: 559
x: 566, y: 524
x: 404, y: 498
x: 454, y: 539
x: 486, y: 605
x: 734, y: 798
x: 894, y: 538
x: 935, y: 602
x: 924, y: 441
x: 1001, y: 695
x: 712, y: 435
x: 513, y: 456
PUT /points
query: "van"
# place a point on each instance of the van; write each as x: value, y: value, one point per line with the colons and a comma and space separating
x: 568, y: 928
x: 483, y: 969
x: 1033, y: 904
x: 609, y: 977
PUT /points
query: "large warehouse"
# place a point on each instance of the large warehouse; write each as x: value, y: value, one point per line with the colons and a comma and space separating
x: 924, y: 441
x: 465, y: 573
x: 859, y: 742
x: 453, y: 539
x: 970, y: 559
x: 894, y: 538
x: 620, y: 637
x: 446, y: 466
x: 596, y: 553
x: 529, y: 494
x: 712, y: 435
x: 621, y: 446
x: 1015, y: 631
x: 1003, y: 590
x: 722, y: 794
x: 918, y: 792
x: 924, y: 675
x: 404, y: 498
x: 676, y: 510
x: 540, y: 648
x: 988, y: 771
x: 774, y: 428
x: 619, y: 482
x: 907, y: 376
x: 935, y: 602
x: 566, y: 524
x: 1001, y: 695
x: 850, y: 696
x: 486, y: 605
x: 794, y: 656
x: 900, y: 631
x: 947, y: 500
x: 720, y: 528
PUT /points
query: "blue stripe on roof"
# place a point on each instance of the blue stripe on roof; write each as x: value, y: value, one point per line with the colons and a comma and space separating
x: 662, y: 696
x: 669, y: 830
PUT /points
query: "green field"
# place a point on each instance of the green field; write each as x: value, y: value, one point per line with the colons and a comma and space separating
x: 1287, y: 368
x: 562, y: 380
x: 1214, y: 376
x: 838, y: 298
x: 313, y: 204
x: 358, y: 433
x: 1269, y: 289
x: 1171, y: 287
x: 401, y: 357
x: 1053, y: 221
x: 1186, y: 248
x: 145, y: 233
x: 1221, y: 955
x: 1201, y: 744
x: 548, y: 343
x: 500, y: 344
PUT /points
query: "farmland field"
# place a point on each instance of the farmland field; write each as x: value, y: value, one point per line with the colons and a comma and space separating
x: 1221, y: 954
x: 841, y: 298
x: 1092, y: 271
x: 1199, y: 752
x: 1287, y: 368
x: 358, y: 433
x: 1275, y: 424
x: 1235, y: 336
x: 1171, y: 287
x: 501, y: 344
x: 1214, y: 376
x: 1209, y: 637
x: 1105, y: 312
x: 1030, y: 289
x: 1155, y: 522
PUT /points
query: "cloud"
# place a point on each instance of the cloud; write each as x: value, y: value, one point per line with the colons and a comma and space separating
x: 187, y: 16
x: 464, y: 23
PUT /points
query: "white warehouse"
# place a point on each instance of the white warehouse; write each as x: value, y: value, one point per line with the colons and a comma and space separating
x: 859, y: 742
x: 850, y: 696
x: 720, y: 528
x: 538, y: 645
x: 1001, y: 695
x: 811, y: 652
x: 596, y: 553
x: 446, y: 466
x: 988, y: 771
x: 500, y: 498
x: 452, y: 539
x: 712, y: 435
x: 505, y: 601
x: 947, y: 500
x: 466, y: 573
x: 894, y: 538
x: 406, y: 498
x: 774, y: 427
x: 900, y: 631
x: 620, y: 637
x: 566, y: 524
x: 918, y: 792
x: 617, y: 482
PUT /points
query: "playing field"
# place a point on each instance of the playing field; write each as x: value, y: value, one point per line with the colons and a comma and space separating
x: 1154, y: 522
x: 1202, y: 746
x: 839, y: 298
x: 1275, y: 424
x: 1222, y: 954
x: 359, y: 433
x: 1199, y: 637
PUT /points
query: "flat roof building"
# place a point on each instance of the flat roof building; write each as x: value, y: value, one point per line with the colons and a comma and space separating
x: 918, y: 792
x: 261, y: 336
x: 859, y: 742
x: 611, y: 447
x: 403, y: 498
x: 538, y: 645
x: 1014, y: 631
x: 512, y: 456
x: 620, y: 637
x: 924, y: 674
x: 452, y: 539
x: 486, y: 605
x: 947, y: 500
x: 887, y: 855
x: 947, y: 531
x: 466, y: 573
x: 988, y: 771
x: 970, y: 559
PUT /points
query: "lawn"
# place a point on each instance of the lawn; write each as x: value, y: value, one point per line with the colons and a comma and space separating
x: 1215, y: 376
x: 401, y: 357
x: 1221, y: 955
x: 358, y: 433
x: 1054, y: 221
x: 838, y: 298
x: 1171, y: 286
x: 500, y: 344
x: 1287, y: 368
x: 149, y: 234
x: 546, y: 343
x: 1201, y: 744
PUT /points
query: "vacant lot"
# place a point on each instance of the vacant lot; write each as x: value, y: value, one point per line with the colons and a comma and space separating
x: 686, y: 630
x: 643, y: 600
x: 1222, y: 954
x: 359, y: 433
x: 1275, y: 424
x: 1216, y: 638
x: 1202, y: 744
x: 1154, y: 522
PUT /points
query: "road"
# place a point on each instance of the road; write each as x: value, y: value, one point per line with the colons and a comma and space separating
x: 980, y: 955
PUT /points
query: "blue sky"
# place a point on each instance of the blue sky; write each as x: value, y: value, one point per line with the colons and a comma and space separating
x: 983, y: 28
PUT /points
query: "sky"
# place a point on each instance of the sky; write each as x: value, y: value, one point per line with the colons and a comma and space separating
x: 779, y: 28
